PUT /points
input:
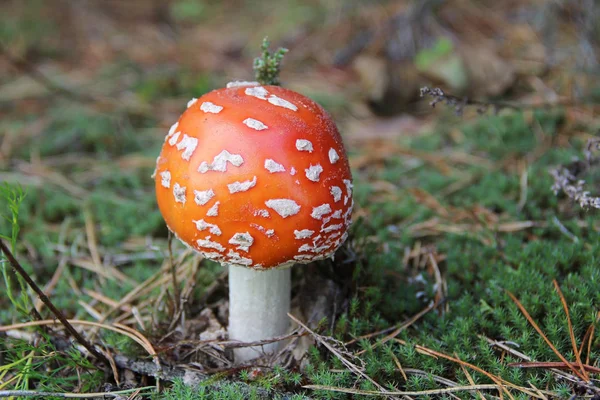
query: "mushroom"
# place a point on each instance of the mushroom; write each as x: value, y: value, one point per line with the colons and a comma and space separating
x: 256, y: 178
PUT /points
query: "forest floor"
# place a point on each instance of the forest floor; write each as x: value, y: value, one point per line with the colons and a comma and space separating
x: 472, y: 265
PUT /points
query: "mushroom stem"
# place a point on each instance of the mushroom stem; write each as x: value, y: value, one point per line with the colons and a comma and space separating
x: 258, y: 305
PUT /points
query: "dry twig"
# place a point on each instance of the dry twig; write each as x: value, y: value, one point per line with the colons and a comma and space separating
x: 33, y: 393
x: 59, y: 315
x: 30, y: 70
x: 567, y: 178
x: 555, y: 364
x: 342, y: 357
x: 399, y: 393
x: 459, y: 103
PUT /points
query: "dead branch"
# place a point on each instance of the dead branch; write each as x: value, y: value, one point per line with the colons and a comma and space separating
x: 459, y: 103
x: 483, y: 106
x: 59, y: 315
x: 36, y: 394
x: 567, y: 178
x: 30, y: 70
x: 337, y: 349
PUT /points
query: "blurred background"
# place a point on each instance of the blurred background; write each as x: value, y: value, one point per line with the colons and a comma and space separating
x: 88, y: 88
x: 133, y: 63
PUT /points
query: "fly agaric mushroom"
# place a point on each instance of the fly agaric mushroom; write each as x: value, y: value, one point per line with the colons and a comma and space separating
x: 256, y: 178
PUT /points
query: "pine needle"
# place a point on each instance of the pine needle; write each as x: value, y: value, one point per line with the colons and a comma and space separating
x: 571, y: 332
x: 543, y: 335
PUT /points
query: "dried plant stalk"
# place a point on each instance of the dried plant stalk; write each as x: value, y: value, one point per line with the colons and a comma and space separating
x: 567, y: 178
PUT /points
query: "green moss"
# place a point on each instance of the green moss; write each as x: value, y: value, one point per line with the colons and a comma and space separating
x: 478, y: 276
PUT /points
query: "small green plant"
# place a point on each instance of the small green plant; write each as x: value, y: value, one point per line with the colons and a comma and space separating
x: 45, y: 368
x: 267, y: 66
x: 13, y: 196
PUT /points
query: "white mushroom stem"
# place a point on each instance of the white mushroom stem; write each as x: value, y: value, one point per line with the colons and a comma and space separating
x: 258, y: 305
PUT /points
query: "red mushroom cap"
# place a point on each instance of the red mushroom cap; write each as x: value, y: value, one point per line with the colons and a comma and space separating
x: 255, y: 176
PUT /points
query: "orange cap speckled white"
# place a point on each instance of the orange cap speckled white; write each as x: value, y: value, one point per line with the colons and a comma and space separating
x: 255, y: 176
